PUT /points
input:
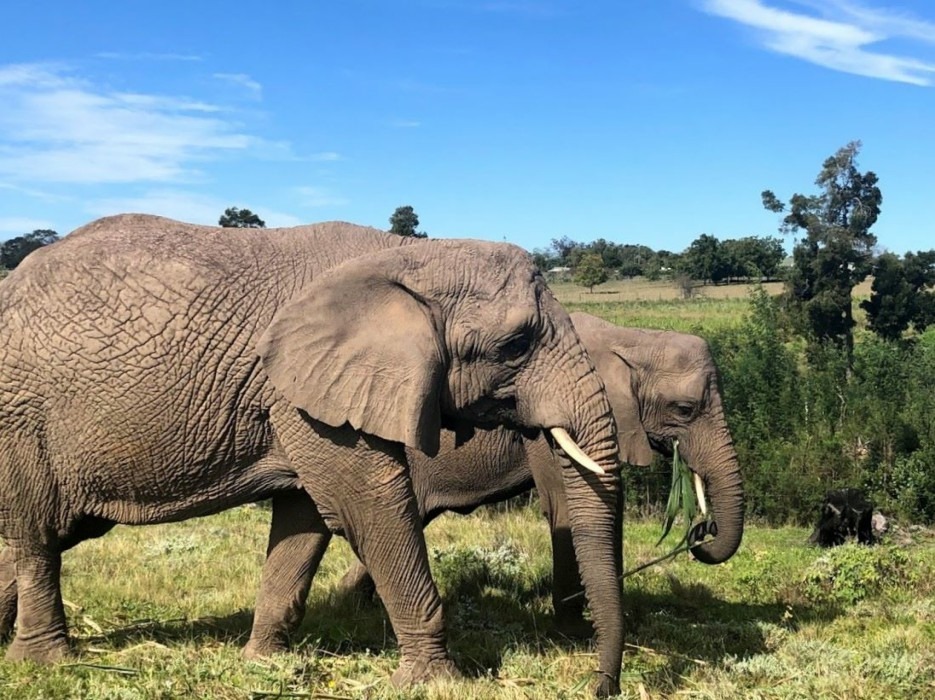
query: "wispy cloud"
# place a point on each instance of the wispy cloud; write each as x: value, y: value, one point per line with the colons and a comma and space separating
x: 18, y: 225
x: 242, y: 80
x: 319, y: 197
x: 146, y: 56
x: 536, y: 9
x: 529, y: 8
x: 325, y: 157
x: 838, y: 34
x: 405, y: 124
x: 41, y: 195
x: 58, y: 127
x: 183, y: 206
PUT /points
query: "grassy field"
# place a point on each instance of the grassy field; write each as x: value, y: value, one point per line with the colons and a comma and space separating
x: 162, y: 612
x: 647, y: 304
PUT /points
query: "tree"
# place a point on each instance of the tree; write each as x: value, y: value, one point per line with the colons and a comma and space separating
x: 13, y: 251
x: 564, y: 247
x: 836, y: 252
x: 901, y: 294
x: 240, y: 218
x: 590, y: 271
x: 404, y: 222
x: 704, y: 260
x: 753, y: 256
x: 661, y: 263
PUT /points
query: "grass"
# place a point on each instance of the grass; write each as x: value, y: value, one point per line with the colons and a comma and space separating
x: 162, y: 612
x: 646, y: 304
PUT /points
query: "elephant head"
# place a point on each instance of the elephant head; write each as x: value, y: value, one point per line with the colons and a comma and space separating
x: 452, y: 334
x: 673, y: 379
x: 455, y: 334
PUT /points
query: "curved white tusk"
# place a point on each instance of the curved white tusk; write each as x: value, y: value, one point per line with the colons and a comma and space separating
x: 574, y: 452
x: 699, y: 494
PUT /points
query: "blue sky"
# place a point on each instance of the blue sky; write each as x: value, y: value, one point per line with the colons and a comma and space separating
x: 641, y: 121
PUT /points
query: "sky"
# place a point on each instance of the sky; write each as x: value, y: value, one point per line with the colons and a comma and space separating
x: 639, y: 121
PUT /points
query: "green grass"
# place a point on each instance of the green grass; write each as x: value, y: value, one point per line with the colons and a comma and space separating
x: 657, y: 304
x: 644, y: 304
x: 162, y: 612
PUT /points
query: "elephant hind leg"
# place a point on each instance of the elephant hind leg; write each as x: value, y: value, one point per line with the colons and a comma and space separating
x: 7, y: 593
x: 83, y: 529
x: 357, y: 584
x: 41, y: 632
x: 298, y: 539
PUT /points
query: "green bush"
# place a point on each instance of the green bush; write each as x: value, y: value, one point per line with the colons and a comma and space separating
x: 461, y: 567
x: 853, y: 572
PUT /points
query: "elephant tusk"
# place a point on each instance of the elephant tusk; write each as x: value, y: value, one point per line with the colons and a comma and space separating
x: 574, y: 452
x: 699, y: 494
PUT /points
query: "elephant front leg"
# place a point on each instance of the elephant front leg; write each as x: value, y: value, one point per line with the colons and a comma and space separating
x: 298, y: 539
x: 375, y: 505
x: 41, y: 633
x: 567, y: 591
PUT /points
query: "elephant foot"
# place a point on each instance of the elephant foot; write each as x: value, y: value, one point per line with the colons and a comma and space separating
x: 607, y: 687
x: 40, y: 652
x: 262, y: 648
x: 423, y: 671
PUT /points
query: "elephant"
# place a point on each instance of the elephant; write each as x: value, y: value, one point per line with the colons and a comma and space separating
x: 153, y: 371
x: 662, y: 385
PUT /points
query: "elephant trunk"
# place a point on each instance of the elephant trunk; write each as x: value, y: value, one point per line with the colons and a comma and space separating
x: 564, y: 391
x: 719, y: 469
x: 594, y: 502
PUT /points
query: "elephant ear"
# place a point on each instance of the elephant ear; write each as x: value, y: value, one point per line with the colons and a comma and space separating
x: 358, y: 347
x: 621, y: 383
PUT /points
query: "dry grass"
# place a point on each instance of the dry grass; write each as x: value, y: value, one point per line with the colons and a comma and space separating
x: 162, y: 612
x: 640, y: 289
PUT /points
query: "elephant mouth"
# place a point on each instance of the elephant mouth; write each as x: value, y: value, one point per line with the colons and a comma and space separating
x: 662, y: 446
x: 666, y: 448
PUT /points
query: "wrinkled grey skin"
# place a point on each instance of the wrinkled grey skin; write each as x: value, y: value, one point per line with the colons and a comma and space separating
x: 662, y: 384
x: 152, y: 371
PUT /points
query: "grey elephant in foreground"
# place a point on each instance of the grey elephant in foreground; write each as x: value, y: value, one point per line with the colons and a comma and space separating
x: 152, y: 371
x: 662, y: 386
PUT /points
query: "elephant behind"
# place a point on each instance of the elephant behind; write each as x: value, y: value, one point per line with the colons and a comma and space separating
x: 152, y: 371
x: 663, y: 386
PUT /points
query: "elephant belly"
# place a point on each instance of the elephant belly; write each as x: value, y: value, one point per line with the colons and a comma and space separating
x: 201, y: 490
x: 145, y: 465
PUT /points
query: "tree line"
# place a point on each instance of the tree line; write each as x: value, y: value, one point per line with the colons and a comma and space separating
x: 706, y: 259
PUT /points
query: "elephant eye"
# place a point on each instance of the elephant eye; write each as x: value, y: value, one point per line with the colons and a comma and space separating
x: 515, y: 347
x: 684, y: 409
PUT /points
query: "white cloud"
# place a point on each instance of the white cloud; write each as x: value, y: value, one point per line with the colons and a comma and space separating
x: 326, y: 157
x: 242, y: 80
x: 36, y: 194
x: 183, y: 206
x: 55, y: 127
x: 841, y: 39
x: 175, y: 204
x: 320, y: 197
x: 406, y: 124
x: 18, y: 225
x: 146, y: 56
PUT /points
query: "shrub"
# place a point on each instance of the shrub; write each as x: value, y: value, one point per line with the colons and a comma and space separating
x: 852, y: 572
